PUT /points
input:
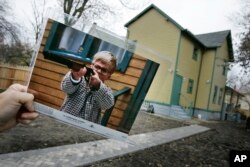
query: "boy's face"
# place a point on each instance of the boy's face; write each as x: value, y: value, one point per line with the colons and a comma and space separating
x: 102, y: 68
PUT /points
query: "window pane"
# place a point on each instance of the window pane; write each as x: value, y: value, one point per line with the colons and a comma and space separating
x: 195, y: 54
x: 215, y: 94
x: 190, y: 86
x: 71, y: 40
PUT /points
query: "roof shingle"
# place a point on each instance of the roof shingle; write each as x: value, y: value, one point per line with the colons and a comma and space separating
x: 214, y: 39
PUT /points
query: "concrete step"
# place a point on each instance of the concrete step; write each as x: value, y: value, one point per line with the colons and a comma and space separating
x: 173, y: 111
x: 180, y: 116
x: 175, y: 107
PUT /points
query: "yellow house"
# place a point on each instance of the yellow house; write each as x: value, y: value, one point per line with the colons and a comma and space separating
x: 194, y: 81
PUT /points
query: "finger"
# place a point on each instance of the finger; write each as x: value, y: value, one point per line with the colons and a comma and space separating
x: 25, y: 99
x: 28, y: 115
x: 76, y: 66
x: 31, y: 91
x: 18, y: 87
x: 91, y: 79
x: 83, y: 71
x: 95, y: 73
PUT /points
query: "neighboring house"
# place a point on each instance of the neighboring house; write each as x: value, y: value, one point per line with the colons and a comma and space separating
x: 233, y: 98
x: 245, y: 103
x: 196, y: 78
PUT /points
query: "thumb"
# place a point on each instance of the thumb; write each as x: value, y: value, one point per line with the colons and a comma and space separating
x: 25, y: 99
x: 18, y: 87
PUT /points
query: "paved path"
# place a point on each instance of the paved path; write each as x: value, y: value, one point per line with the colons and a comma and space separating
x: 87, y: 153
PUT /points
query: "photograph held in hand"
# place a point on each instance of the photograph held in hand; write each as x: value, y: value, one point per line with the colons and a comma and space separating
x: 90, y: 80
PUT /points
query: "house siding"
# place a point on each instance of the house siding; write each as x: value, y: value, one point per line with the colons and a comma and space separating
x: 188, y: 68
x: 158, y: 29
x: 205, y: 80
x: 219, y: 79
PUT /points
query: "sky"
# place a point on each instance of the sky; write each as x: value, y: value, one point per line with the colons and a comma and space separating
x: 198, y: 16
x: 201, y: 16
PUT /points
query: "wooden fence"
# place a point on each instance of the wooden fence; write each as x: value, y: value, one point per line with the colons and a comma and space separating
x: 10, y: 74
x: 47, y: 76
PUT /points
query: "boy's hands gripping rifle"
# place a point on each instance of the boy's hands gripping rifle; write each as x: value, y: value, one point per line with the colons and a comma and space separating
x: 77, y: 66
x: 70, y: 60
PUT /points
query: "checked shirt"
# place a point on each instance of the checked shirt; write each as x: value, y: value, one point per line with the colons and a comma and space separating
x: 80, y: 101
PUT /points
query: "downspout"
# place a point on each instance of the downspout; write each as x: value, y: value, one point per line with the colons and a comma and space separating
x: 231, y: 96
x: 212, y: 79
x: 198, y: 82
x: 222, y: 106
x: 175, y: 68
x: 237, y: 100
x: 223, y: 100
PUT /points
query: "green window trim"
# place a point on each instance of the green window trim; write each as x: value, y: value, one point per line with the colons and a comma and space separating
x: 88, y: 46
x: 190, y: 86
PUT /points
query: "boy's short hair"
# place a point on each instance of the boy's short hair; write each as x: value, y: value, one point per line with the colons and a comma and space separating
x: 106, y: 57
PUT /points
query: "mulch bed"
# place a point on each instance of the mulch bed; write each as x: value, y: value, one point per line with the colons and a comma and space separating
x: 46, y: 132
x: 207, y: 149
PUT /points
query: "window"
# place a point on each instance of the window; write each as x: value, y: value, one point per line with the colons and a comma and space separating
x: 190, y: 86
x: 122, y: 55
x: 68, y: 43
x: 195, y: 54
x: 71, y: 40
x: 220, y: 96
x: 215, y: 94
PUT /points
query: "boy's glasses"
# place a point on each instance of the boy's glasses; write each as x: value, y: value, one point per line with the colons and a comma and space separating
x: 101, y: 70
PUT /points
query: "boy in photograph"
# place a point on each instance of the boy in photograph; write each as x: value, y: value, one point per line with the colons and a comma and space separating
x: 87, y: 97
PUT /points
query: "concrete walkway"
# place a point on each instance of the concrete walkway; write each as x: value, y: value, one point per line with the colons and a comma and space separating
x: 90, y: 152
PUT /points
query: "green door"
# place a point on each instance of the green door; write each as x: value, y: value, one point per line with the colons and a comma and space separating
x: 176, y: 93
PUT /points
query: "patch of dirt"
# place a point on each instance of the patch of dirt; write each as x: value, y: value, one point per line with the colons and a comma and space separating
x: 47, y: 132
x: 206, y: 149
x: 209, y: 149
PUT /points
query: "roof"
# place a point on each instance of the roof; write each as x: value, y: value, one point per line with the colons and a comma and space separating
x: 216, y: 39
x: 152, y: 6
x: 233, y: 90
x: 208, y: 40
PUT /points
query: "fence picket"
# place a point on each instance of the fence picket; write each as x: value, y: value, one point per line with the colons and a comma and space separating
x: 10, y: 74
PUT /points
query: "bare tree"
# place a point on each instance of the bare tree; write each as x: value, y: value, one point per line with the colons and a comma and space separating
x: 85, y: 9
x: 8, y: 30
x: 12, y: 49
x: 17, y: 53
x: 239, y: 74
x: 38, y: 10
x: 135, y: 5
x: 243, y: 21
x: 239, y: 77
